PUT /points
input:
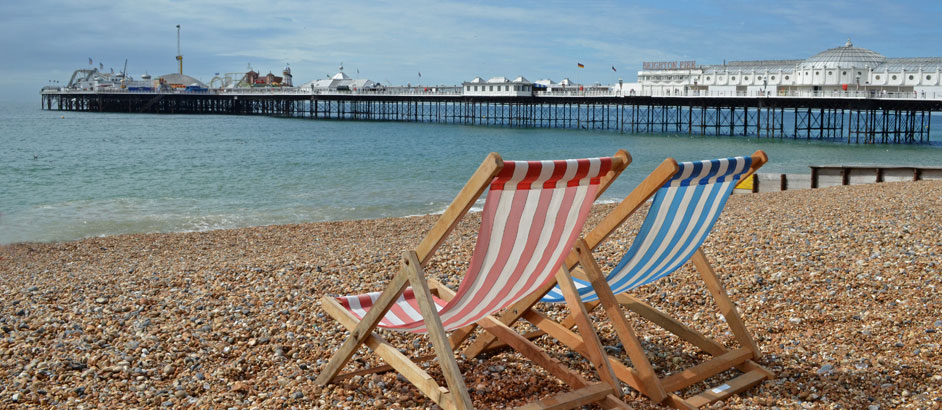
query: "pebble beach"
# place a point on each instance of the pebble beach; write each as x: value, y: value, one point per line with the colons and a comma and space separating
x: 839, y: 286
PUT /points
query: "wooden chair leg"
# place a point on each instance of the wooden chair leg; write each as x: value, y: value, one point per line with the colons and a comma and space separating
x: 594, y: 349
x: 725, y: 305
x: 649, y: 380
x: 391, y: 355
x: 524, y: 346
x: 436, y: 332
x: 364, y: 328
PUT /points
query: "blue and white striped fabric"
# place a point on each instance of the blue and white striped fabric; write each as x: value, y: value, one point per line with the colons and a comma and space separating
x: 681, y: 216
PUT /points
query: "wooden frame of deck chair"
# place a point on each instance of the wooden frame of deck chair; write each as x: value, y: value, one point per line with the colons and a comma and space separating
x: 533, y: 213
x: 688, y: 198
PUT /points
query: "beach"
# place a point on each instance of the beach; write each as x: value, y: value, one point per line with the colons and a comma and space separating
x: 838, y: 285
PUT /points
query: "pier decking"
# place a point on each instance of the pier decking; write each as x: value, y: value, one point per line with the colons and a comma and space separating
x: 854, y: 120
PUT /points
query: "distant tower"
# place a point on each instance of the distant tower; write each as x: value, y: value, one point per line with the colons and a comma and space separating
x: 287, y: 76
x: 179, y: 56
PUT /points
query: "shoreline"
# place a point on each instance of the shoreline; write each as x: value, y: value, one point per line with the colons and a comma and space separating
x: 838, y: 285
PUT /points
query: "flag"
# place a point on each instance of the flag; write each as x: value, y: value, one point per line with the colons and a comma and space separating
x: 580, y: 65
x: 420, y: 73
x: 613, y: 69
x: 101, y: 66
x: 89, y: 61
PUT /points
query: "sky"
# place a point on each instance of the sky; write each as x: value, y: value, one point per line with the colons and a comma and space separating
x: 448, y: 42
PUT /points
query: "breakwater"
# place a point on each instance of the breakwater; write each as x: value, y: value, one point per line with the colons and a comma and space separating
x: 854, y: 120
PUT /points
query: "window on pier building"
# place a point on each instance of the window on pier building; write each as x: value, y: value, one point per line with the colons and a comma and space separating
x: 910, y: 77
x: 475, y: 88
x: 492, y: 88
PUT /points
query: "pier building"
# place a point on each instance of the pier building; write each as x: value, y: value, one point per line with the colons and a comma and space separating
x: 499, y: 86
x: 339, y: 82
x: 179, y: 81
x: 839, y: 71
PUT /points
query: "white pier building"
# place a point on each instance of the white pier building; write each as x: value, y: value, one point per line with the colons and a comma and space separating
x: 839, y: 72
x: 499, y: 86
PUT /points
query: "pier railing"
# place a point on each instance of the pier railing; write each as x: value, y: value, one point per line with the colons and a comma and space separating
x: 451, y: 91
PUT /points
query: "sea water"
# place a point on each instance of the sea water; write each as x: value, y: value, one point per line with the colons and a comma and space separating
x: 69, y: 175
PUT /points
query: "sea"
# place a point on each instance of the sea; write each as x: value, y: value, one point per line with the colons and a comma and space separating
x: 71, y: 175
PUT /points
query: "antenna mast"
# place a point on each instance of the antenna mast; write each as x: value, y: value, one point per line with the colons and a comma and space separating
x: 179, y: 56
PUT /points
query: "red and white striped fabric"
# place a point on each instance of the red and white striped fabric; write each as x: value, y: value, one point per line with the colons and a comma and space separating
x: 532, y: 215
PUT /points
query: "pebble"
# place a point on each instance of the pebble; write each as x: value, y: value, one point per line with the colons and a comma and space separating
x: 232, y: 318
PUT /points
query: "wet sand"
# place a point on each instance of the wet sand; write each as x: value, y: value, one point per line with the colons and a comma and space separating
x: 840, y: 287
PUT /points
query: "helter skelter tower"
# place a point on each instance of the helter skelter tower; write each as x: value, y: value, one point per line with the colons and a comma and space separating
x: 179, y: 56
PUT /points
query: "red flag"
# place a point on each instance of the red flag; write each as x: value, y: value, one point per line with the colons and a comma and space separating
x: 613, y: 69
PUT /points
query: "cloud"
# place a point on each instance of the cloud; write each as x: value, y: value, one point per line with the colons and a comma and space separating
x: 449, y: 41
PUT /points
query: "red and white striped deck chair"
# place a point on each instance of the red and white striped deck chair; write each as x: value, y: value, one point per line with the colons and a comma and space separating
x: 532, y: 215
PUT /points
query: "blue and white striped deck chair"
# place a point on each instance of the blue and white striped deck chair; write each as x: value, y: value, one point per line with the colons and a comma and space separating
x: 688, y: 199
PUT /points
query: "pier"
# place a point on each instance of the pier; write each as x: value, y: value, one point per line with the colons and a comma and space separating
x: 855, y: 119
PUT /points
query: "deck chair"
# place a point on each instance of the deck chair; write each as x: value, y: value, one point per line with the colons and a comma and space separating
x: 533, y: 213
x: 688, y: 198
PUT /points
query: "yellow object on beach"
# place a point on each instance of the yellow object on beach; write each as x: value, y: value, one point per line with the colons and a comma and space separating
x: 745, y: 184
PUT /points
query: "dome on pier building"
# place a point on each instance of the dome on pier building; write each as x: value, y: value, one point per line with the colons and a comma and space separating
x: 176, y: 79
x: 847, y: 56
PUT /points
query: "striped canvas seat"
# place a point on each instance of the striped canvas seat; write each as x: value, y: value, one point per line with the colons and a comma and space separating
x: 532, y: 215
x: 681, y: 216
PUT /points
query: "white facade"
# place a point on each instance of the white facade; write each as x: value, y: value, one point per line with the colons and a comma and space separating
x: 835, y: 71
x: 339, y: 82
x: 498, y: 86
